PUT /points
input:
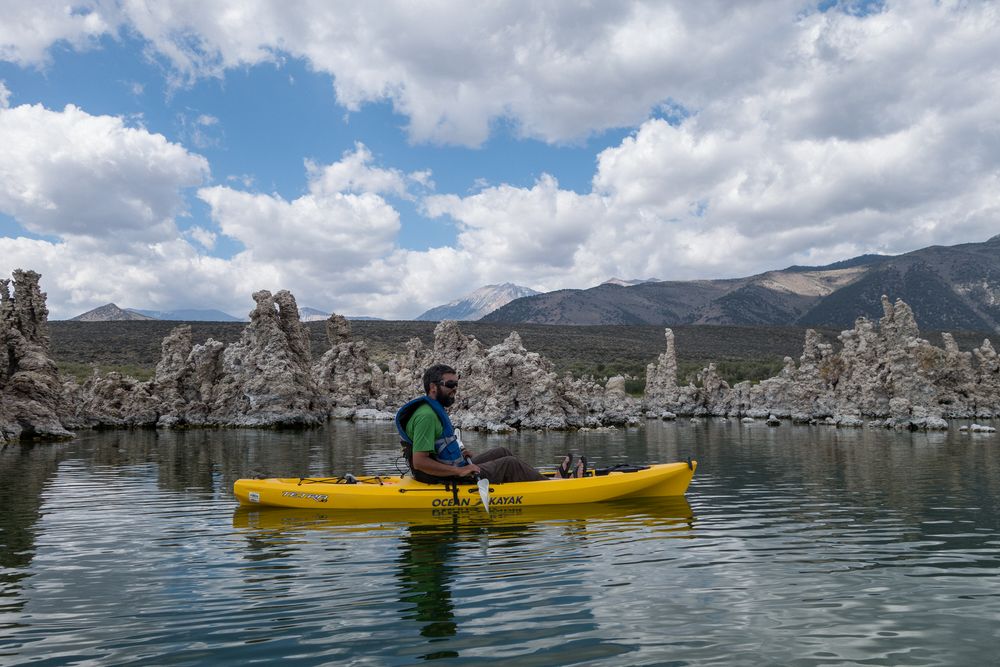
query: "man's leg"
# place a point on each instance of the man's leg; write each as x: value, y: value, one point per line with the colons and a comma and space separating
x: 509, y: 469
x: 492, y: 455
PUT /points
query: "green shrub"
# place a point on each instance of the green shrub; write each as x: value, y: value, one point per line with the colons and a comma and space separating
x: 731, y: 371
x: 80, y: 372
x: 635, y: 387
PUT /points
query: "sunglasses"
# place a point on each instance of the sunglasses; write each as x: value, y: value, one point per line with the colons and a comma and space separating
x: 451, y: 384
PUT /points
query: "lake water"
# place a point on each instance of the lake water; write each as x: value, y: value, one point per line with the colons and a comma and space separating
x: 795, y: 545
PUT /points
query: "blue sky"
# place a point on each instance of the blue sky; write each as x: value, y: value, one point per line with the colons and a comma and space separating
x: 266, y: 119
x: 382, y: 160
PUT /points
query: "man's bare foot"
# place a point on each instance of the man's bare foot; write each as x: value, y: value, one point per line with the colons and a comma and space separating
x: 564, y: 467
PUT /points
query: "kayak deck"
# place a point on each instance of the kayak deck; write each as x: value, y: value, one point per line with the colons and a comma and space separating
x: 405, y: 493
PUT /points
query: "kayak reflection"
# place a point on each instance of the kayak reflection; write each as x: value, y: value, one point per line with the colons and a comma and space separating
x: 451, y: 551
x: 667, y: 513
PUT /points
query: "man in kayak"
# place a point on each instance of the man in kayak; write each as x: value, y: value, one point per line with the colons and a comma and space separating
x: 433, y: 450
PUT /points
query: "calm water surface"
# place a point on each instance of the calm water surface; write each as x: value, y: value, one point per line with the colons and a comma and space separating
x: 794, y: 546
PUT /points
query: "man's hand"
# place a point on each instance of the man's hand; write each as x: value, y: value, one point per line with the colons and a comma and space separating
x: 470, y: 469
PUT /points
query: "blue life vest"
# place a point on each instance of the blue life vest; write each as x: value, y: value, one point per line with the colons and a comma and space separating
x: 446, y: 449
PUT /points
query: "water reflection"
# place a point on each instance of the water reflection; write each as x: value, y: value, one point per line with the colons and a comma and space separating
x: 425, y: 582
x: 24, y: 473
x: 800, y: 545
x: 490, y: 563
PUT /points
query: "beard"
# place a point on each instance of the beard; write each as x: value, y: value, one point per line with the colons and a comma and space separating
x: 446, y: 401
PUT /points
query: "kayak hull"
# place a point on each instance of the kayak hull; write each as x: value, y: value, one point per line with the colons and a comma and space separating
x: 405, y: 493
x: 667, y: 513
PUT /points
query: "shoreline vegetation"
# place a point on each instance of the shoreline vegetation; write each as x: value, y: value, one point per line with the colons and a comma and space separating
x: 740, y: 353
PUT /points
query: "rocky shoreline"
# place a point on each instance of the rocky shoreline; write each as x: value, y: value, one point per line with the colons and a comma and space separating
x: 884, y: 375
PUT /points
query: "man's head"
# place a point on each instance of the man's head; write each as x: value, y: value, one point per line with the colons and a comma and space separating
x: 441, y: 383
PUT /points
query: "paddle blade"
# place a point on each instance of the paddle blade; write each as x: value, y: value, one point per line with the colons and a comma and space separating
x: 484, y: 493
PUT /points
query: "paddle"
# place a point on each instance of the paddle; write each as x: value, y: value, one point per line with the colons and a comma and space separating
x: 484, y: 493
x: 483, y: 484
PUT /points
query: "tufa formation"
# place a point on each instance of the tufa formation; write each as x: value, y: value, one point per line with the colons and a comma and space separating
x: 30, y: 392
x: 883, y: 374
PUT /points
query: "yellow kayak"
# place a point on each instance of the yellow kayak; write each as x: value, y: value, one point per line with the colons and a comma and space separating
x: 405, y: 493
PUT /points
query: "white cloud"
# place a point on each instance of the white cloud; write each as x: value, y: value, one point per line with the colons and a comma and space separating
x: 4, y: 95
x: 200, y: 130
x: 31, y: 27
x: 246, y: 180
x: 328, y: 245
x: 70, y: 173
x: 354, y: 173
x: 79, y: 275
x: 342, y: 223
x: 334, y: 233
x: 522, y: 234
x: 203, y: 236
x: 560, y: 71
x: 806, y: 137
x: 557, y: 71
x: 691, y: 201
x: 108, y: 195
x: 780, y: 170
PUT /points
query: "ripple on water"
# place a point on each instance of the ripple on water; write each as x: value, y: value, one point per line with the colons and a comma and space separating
x: 809, y: 550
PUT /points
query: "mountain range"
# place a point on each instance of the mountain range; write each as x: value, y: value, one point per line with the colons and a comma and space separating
x: 949, y: 288
x: 187, y: 315
x: 475, y: 305
x: 109, y: 312
x: 629, y: 283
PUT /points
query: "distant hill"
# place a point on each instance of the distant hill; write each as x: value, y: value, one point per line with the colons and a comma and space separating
x: 187, y: 315
x: 949, y: 287
x: 475, y: 305
x: 629, y: 283
x: 308, y: 314
x: 860, y: 260
x: 110, y: 313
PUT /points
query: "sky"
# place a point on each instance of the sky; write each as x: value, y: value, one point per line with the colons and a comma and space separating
x: 378, y: 159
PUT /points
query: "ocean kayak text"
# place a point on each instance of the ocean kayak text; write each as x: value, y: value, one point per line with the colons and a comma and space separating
x: 465, y: 502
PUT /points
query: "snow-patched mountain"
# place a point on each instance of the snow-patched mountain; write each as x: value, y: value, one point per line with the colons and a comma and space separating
x: 109, y: 312
x: 478, y: 303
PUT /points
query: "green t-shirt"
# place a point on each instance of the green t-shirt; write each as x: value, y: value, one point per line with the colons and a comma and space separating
x: 424, y: 428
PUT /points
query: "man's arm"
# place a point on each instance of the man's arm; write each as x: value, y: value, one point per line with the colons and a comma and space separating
x: 423, y: 462
x: 424, y: 427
